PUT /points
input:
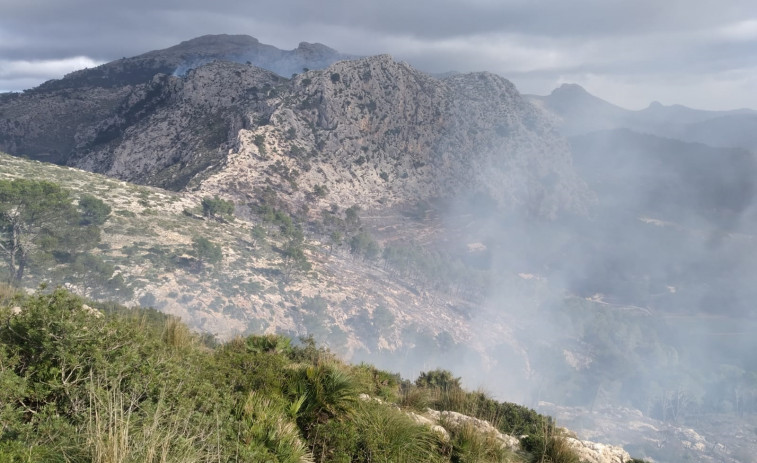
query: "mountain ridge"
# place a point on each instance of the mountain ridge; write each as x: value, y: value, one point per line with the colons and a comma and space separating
x: 386, y: 125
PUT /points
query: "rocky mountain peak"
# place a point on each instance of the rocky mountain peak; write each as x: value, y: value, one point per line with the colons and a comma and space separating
x: 216, y: 46
x: 569, y: 89
x: 314, y: 49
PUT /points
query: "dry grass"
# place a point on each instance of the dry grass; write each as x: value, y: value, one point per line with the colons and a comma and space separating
x: 121, y: 430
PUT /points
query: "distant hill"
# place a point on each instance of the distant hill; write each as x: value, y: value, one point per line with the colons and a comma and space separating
x: 642, y: 173
x: 577, y: 112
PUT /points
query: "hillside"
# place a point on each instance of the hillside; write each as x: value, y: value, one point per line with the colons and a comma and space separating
x: 147, y: 240
x: 363, y: 308
x: 116, y: 384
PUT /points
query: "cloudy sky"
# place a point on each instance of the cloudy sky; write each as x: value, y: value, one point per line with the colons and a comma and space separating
x: 700, y: 53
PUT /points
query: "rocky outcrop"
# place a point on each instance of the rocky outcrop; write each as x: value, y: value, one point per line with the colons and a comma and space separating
x: 655, y: 440
x: 453, y: 420
x: 593, y: 452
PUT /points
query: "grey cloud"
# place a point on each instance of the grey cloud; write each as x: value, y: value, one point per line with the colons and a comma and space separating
x: 606, y: 37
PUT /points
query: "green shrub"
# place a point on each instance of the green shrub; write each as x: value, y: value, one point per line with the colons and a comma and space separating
x: 205, y: 251
x: 415, y: 398
x: 549, y: 447
x: 93, y: 210
x: 326, y: 391
x: 471, y: 445
x: 216, y: 208
x: 441, y: 379
x: 376, y: 433
x: 266, y: 434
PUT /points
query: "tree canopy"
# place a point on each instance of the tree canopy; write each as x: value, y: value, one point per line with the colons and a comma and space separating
x: 38, y: 217
x: 216, y: 207
x: 205, y: 251
x: 93, y: 210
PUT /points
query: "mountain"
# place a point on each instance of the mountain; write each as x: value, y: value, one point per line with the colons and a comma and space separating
x: 704, y: 193
x: 377, y: 131
x: 578, y: 112
x: 416, y: 311
x: 91, y: 106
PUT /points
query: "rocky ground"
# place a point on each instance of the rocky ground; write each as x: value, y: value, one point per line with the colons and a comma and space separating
x: 724, y: 439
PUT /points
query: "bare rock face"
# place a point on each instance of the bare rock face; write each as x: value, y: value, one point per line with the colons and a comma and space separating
x: 172, y: 129
x: 377, y: 132
x: 370, y: 131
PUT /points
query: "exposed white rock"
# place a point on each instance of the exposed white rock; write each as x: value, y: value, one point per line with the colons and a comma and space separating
x: 593, y: 452
x: 91, y: 311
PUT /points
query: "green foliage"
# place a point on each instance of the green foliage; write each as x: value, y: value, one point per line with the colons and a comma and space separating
x: 549, y: 447
x: 258, y: 234
x: 288, y: 228
x: 351, y: 217
x: 321, y: 191
x: 436, y: 269
x: 294, y: 260
x: 93, y: 210
x: 379, y: 383
x: 96, y: 277
x: 269, y: 343
x: 364, y: 245
x: 205, y: 251
x: 389, y: 435
x: 38, y: 218
x: 441, y: 379
x: 508, y: 417
x: 326, y: 391
x: 335, y: 239
x: 376, y: 433
x: 127, y: 385
x: 259, y: 141
x: 266, y: 434
x: 217, y: 208
x: 470, y: 445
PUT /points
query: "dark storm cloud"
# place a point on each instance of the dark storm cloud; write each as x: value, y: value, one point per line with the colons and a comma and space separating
x: 587, y: 41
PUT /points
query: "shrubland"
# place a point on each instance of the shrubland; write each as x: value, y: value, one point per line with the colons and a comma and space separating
x: 98, y: 382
